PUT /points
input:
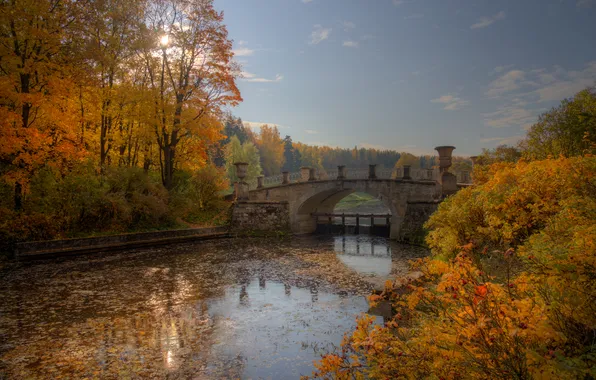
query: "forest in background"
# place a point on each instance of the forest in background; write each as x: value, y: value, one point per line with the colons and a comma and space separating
x: 268, y: 153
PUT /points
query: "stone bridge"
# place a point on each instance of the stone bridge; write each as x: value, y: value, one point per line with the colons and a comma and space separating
x: 290, y: 205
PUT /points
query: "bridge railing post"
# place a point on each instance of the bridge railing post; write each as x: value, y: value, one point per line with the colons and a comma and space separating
x: 260, y: 182
x: 372, y: 171
x: 285, y: 178
x: 304, y: 173
x: 312, y: 174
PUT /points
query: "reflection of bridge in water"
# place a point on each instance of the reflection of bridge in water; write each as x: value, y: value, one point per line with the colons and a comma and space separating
x: 353, y: 223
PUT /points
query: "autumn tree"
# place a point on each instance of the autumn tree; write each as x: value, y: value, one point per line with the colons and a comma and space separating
x: 188, y: 57
x: 408, y: 159
x: 38, y: 124
x: 567, y: 130
x: 271, y: 149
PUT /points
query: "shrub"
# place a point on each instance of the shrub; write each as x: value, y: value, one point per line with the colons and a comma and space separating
x: 509, y: 291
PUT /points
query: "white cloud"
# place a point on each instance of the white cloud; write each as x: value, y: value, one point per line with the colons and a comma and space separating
x: 511, y: 140
x: 414, y: 16
x: 511, y: 115
x: 259, y: 124
x: 243, y: 52
x: 250, y: 77
x: 319, y: 34
x: 585, y: 3
x: 311, y: 131
x: 451, y: 102
x: 483, y: 22
x: 353, y: 44
x: 543, y: 85
x: 348, y: 25
x: 500, y: 69
x: 560, y: 84
x: 507, y: 82
x: 373, y: 146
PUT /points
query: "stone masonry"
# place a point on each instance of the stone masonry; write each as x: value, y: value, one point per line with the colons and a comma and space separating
x: 253, y: 216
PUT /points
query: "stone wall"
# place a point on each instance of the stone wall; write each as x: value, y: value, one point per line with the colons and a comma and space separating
x: 260, y: 216
x: 40, y: 249
x: 417, y: 213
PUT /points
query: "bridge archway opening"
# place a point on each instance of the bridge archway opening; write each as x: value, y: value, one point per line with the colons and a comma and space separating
x: 351, y: 211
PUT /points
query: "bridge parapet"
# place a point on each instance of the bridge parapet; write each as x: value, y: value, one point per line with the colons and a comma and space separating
x: 292, y: 200
x: 306, y: 174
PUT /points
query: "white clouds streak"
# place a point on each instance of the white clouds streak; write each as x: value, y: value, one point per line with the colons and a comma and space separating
x: 319, y: 34
x: 483, y: 22
x: 250, y: 77
x: 451, y: 102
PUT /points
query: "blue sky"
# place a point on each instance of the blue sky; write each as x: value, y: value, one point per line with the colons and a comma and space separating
x: 409, y: 74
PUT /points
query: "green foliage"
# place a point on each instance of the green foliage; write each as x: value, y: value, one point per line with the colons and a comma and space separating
x: 124, y: 199
x: 568, y: 130
x: 237, y: 152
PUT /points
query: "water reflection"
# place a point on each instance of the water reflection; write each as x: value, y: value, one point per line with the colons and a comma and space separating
x: 284, y: 328
x: 221, y: 309
x: 365, y: 254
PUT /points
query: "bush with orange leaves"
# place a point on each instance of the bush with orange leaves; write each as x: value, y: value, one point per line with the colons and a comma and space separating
x: 509, y: 291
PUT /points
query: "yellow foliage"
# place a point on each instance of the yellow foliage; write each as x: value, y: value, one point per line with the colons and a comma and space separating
x: 509, y: 291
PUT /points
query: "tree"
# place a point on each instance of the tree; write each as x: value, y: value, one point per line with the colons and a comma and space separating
x: 38, y: 124
x: 237, y: 152
x: 568, y: 130
x: 502, y: 153
x: 271, y: 148
x: 291, y: 156
x: 110, y: 35
x: 408, y: 159
x: 189, y: 61
x: 508, y: 291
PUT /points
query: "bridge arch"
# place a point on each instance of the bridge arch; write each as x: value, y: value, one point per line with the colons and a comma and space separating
x: 325, y: 202
x: 304, y: 198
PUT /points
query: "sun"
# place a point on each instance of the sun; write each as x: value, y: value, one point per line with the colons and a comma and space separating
x: 164, y: 40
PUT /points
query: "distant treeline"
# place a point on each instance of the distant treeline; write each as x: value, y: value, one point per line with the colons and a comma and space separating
x: 269, y: 154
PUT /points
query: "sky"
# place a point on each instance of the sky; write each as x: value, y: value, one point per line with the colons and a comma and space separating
x: 409, y: 75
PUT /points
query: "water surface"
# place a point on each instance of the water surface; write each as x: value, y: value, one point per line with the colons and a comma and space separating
x: 244, y: 308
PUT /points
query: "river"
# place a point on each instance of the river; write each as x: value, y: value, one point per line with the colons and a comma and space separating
x: 231, y: 308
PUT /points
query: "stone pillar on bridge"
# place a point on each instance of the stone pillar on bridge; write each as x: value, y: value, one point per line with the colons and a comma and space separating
x: 429, y: 174
x: 285, y: 178
x: 448, y: 180
x: 407, y: 172
x: 241, y: 187
x: 260, y: 182
x: 341, y: 171
x: 372, y: 171
x: 304, y: 173
x: 312, y: 174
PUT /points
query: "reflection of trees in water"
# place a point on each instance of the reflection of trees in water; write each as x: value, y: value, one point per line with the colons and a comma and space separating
x: 314, y: 294
x: 244, y: 299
